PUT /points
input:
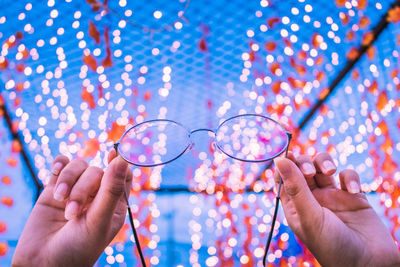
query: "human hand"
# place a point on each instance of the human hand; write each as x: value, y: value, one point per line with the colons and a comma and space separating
x: 338, y: 226
x: 77, y: 215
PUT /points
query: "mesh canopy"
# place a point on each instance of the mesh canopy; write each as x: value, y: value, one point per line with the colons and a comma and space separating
x: 76, y: 75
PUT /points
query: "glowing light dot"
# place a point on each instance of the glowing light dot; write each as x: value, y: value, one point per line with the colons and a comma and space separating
x: 178, y: 25
x: 119, y: 258
x: 155, y: 51
x: 211, y: 250
x: 42, y: 121
x: 250, y: 33
x: 75, y: 24
x: 154, y: 260
x: 122, y: 24
x: 167, y: 70
x: 77, y: 14
x: 244, y: 259
x: 285, y: 20
x: 128, y: 13
x: 21, y: 16
x: 54, y: 13
x: 10, y: 84
x: 264, y: 3
x: 27, y: 71
x: 212, y: 261
x: 232, y: 242
x: 53, y: 40
x: 157, y: 14
x: 110, y: 259
x: 259, y: 252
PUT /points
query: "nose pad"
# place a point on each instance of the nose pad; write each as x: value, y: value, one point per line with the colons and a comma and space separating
x: 189, y: 148
x: 214, y: 145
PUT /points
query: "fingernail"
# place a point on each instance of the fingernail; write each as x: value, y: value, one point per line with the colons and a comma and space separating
x: 61, y: 192
x: 328, y: 166
x: 71, y: 211
x: 308, y: 168
x: 56, y: 168
x: 354, y: 187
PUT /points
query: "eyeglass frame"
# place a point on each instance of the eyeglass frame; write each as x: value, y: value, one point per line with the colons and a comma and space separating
x: 188, y: 147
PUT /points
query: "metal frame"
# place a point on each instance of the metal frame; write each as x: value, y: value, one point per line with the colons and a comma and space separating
x: 191, y: 143
x: 116, y: 145
x: 286, y: 148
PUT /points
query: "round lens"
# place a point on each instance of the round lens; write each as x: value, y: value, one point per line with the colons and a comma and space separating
x: 251, y: 138
x: 154, y: 143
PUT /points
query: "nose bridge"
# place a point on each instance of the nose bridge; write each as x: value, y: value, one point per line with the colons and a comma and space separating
x: 202, y: 130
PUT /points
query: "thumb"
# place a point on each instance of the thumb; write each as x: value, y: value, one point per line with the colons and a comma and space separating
x: 111, y: 190
x: 295, y: 186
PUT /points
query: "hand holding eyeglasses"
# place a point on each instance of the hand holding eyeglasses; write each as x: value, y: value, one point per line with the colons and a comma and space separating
x: 338, y: 226
x: 77, y: 215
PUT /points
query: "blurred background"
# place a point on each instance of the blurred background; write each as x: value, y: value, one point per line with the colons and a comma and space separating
x: 75, y: 74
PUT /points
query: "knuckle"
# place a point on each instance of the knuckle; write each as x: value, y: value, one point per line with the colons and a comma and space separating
x: 80, y: 163
x: 96, y: 170
x: 67, y: 175
x: 61, y: 158
x: 322, y: 156
x: 292, y: 190
x: 129, y: 175
x: 78, y: 195
x: 303, y: 158
x: 349, y: 174
x: 116, y: 190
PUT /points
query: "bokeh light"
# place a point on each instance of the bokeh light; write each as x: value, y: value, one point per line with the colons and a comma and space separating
x: 74, y: 75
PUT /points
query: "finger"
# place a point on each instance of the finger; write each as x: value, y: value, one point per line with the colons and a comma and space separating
x: 323, y: 162
x: 111, y: 155
x: 86, y: 186
x: 324, y: 181
x: 291, y: 156
x: 67, y: 178
x: 325, y: 166
x: 128, y: 183
x: 277, y: 177
x: 111, y: 190
x: 306, y: 166
x: 350, y: 181
x: 283, y: 196
x: 58, y: 164
x: 339, y: 200
x: 120, y: 210
x: 296, y: 188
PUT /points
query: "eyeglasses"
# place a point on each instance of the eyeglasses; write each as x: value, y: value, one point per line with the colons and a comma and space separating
x: 246, y: 137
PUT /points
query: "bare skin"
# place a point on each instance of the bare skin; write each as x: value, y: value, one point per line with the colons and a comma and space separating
x: 338, y: 226
x: 71, y: 224
x: 59, y: 233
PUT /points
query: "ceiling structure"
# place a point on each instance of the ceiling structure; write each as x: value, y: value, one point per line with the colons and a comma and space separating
x: 74, y: 75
